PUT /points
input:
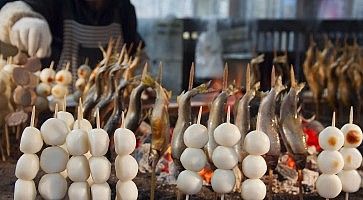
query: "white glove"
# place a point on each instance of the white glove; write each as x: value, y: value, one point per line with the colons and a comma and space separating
x: 32, y: 35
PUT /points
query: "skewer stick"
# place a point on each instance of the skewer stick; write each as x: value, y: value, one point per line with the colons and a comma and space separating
x: 7, y: 140
x: 98, y: 122
x: 228, y: 114
x: 144, y: 71
x: 86, y: 61
x: 32, y: 118
x: 258, y: 122
x: 351, y: 115
x: 273, y: 76
x: 270, y: 177
x: 199, y: 114
x: 79, y: 116
x: 64, y: 103
x: 225, y: 77
x: 248, y: 78
x: 123, y: 119
x: 292, y: 77
x: 191, y: 76
x: 300, y: 177
x: 187, y: 197
x: 222, y: 197
x: 333, y: 120
x: 160, y: 73
x: 56, y: 110
x: 51, y: 66
x: 68, y: 65
x: 80, y: 104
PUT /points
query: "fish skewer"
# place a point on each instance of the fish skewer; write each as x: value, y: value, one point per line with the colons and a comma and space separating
x: 160, y: 127
x: 268, y: 124
x: 292, y: 134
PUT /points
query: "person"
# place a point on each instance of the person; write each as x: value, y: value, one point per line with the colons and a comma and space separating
x: 68, y: 30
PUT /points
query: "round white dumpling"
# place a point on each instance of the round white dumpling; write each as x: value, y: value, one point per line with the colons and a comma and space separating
x: 84, y: 71
x: 77, y: 142
x: 352, y: 134
x: 330, y: 162
x: 47, y: 75
x: 53, y: 159
x: 24, y: 190
x: 78, y: 168
x: 63, y: 77
x: 52, y: 186
x: 189, y: 182
x: 196, y: 136
x: 352, y: 158
x: 193, y: 159
x: 85, y: 125
x: 66, y: 117
x: 100, y: 169
x: 256, y: 143
x: 101, y: 191
x: 253, y: 189
x: 27, y: 167
x: 224, y: 157
x: 43, y: 89
x: 59, y: 91
x: 125, y: 141
x: 126, y: 167
x: 54, y: 131
x: 31, y: 140
x: 227, y: 134
x: 254, y: 167
x: 79, y: 190
x: 328, y: 186
x: 80, y: 84
x: 126, y: 190
x: 331, y: 138
x: 223, y: 181
x: 98, y: 142
x: 350, y: 179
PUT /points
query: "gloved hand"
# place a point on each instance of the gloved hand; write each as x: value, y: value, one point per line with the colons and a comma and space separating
x: 32, y: 35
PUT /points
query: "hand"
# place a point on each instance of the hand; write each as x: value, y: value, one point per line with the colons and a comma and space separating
x: 32, y: 35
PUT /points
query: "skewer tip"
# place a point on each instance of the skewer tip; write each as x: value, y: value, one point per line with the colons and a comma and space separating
x: 333, y: 120
x: 56, y: 110
x: 200, y: 114
x: 228, y: 114
x: 123, y: 119
x: 351, y: 115
x: 32, y: 119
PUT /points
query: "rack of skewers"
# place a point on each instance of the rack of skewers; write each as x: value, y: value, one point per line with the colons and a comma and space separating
x: 239, y: 146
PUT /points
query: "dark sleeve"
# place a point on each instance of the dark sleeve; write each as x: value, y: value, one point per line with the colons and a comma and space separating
x: 129, y: 25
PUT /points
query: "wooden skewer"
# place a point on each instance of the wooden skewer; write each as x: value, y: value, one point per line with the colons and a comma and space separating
x: 333, y: 120
x: 300, y: 177
x: 79, y: 116
x: 351, y: 115
x: 225, y: 77
x: 191, y: 76
x: 7, y: 139
x: 222, y: 197
x: 98, y: 122
x: 144, y: 71
x: 86, y: 61
x: 258, y: 121
x: 68, y: 65
x: 346, y: 195
x: 273, y: 76
x: 123, y: 119
x: 270, y: 177
x: 228, y: 114
x: 187, y: 197
x: 80, y: 104
x: 65, y: 103
x: 199, y: 114
x: 32, y: 118
x: 56, y: 110
x: 248, y: 78
x: 51, y: 66
x: 160, y: 75
x: 292, y: 77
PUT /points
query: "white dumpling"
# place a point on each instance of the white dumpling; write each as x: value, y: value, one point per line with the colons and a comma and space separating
x: 101, y: 191
x: 189, y: 182
x: 328, y: 186
x: 100, y: 169
x: 59, y: 91
x: 31, y: 140
x: 257, y: 143
x: 78, y: 168
x: 352, y: 135
x: 98, y: 142
x: 254, y: 167
x: 52, y: 186
x: 253, y: 189
x: 193, y: 159
x: 43, y: 89
x: 27, y: 167
x: 77, y: 142
x: 47, y: 75
x: 66, y: 117
x: 53, y: 159
x: 227, y: 134
x: 24, y: 190
x: 126, y: 190
x: 54, y: 131
x: 125, y: 141
x: 352, y: 158
x: 79, y: 190
x: 224, y: 157
x: 331, y: 138
x: 126, y: 167
x: 196, y: 136
x: 330, y: 162
x: 351, y: 180
x: 63, y: 77
x: 223, y: 181
x: 85, y: 125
